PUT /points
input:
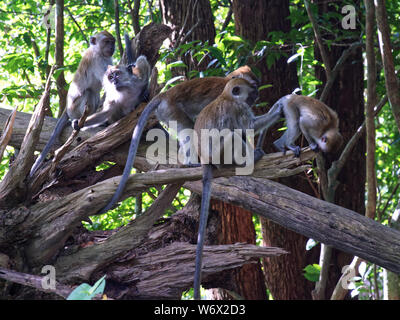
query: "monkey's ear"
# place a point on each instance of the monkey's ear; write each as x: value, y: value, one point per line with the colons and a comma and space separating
x: 236, y: 91
x: 93, y: 41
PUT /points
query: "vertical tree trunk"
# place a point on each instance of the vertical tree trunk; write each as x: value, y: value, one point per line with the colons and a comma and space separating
x: 369, y: 110
x: 346, y: 98
x: 391, y: 80
x: 248, y: 281
x: 59, y: 55
x: 254, y: 20
x: 189, y: 23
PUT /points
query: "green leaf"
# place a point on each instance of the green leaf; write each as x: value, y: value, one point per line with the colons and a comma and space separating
x: 265, y: 87
x: 312, y: 272
x: 87, y: 292
x: 176, y: 64
x: 80, y: 293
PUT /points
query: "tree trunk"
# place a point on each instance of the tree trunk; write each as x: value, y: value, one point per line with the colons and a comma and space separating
x: 59, y: 56
x: 254, y: 20
x: 247, y: 282
x: 190, y: 20
x: 346, y: 98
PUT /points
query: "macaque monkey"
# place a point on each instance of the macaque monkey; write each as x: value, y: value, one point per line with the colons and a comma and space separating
x: 182, y: 104
x: 124, y: 91
x: 318, y: 123
x: 231, y: 110
x: 84, y: 92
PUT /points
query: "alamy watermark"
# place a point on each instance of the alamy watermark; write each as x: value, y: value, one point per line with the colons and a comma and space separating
x: 349, y: 20
x: 49, y: 280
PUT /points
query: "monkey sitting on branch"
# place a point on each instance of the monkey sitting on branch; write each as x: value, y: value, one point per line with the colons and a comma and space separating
x: 231, y: 110
x: 181, y: 104
x: 83, y: 96
x: 231, y: 115
x: 318, y: 123
x: 125, y: 87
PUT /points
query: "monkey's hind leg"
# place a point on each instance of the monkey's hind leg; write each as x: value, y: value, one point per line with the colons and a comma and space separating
x: 205, y: 204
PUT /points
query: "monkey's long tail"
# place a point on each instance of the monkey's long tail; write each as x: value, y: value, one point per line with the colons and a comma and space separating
x: 205, y: 204
x: 137, y: 133
x: 60, y: 125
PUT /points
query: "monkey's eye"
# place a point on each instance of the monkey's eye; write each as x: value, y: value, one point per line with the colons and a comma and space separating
x: 236, y: 91
x: 324, y: 139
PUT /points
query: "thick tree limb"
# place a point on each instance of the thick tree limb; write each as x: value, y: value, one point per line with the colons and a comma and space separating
x: 21, y: 123
x: 11, y: 188
x: 177, y: 261
x: 75, y: 207
x: 325, y: 222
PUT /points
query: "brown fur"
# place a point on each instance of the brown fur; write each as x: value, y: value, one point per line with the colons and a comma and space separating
x: 227, y: 111
x: 318, y: 123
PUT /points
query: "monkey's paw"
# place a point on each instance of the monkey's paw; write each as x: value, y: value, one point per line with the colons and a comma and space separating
x: 314, y: 147
x: 75, y: 125
x: 296, y: 150
x: 258, y: 154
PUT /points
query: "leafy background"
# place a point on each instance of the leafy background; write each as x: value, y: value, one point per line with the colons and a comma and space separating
x: 23, y: 63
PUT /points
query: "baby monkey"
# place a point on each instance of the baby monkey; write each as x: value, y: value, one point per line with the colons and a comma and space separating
x: 124, y: 90
x: 318, y: 123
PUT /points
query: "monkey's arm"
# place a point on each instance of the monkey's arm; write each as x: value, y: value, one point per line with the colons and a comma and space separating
x: 205, y: 204
x: 60, y: 125
x: 262, y: 123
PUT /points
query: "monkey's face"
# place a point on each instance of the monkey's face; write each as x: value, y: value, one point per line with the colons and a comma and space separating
x: 331, y: 141
x: 242, y: 91
x: 107, y: 46
x: 115, y: 77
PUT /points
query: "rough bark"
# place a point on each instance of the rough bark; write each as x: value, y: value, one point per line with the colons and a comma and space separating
x: 346, y: 89
x: 391, y: 80
x: 254, y: 20
x: 48, y: 229
x: 369, y: 108
x: 190, y: 20
x: 59, y: 56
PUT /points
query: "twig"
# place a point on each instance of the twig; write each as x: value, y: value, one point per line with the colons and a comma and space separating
x: 381, y: 212
x: 117, y: 28
x: 8, y: 129
x: 391, y: 80
x: 134, y: 12
x: 318, y: 39
x: 77, y: 24
x: 339, y: 64
x: 59, y: 153
x: 150, y: 4
x: 34, y: 282
x: 228, y: 17
x: 180, y: 39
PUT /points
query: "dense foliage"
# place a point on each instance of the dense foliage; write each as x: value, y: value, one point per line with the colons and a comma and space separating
x: 25, y: 55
